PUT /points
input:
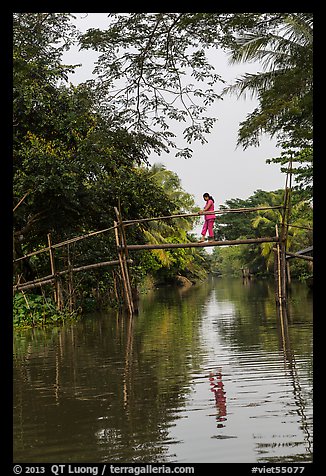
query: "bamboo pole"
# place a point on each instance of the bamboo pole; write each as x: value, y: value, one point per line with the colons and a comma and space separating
x: 279, y: 288
x: 282, y: 307
x: 22, y: 287
x: 298, y: 226
x: 280, y: 278
x: 283, y: 272
x: 33, y: 253
x: 128, y: 299
x: 55, y: 290
x: 20, y: 201
x: 133, y: 295
x: 95, y: 265
x: 276, y: 289
x: 285, y: 230
x: 125, y: 259
x: 297, y: 255
x: 50, y: 277
x: 123, y: 254
x: 70, y: 283
x: 203, y: 244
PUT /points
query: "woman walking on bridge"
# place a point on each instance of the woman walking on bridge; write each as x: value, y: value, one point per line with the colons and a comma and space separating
x: 209, y: 218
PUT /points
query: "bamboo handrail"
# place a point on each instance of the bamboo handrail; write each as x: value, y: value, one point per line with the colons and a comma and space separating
x: 164, y: 246
x: 63, y: 243
x: 32, y: 285
x: 140, y: 220
x: 185, y: 215
x: 298, y: 226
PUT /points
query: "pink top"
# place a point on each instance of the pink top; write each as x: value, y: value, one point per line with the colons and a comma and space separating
x: 209, y: 208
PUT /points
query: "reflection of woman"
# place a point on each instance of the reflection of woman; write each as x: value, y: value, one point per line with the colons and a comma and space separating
x: 217, y: 388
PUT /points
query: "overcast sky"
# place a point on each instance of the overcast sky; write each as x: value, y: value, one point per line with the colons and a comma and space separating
x: 218, y: 167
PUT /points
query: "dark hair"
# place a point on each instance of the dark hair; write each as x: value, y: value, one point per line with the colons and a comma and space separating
x: 209, y: 196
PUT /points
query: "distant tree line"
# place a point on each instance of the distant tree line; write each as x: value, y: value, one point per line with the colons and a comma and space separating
x: 259, y: 259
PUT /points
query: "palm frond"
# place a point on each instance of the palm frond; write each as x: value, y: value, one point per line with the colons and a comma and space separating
x: 252, y: 83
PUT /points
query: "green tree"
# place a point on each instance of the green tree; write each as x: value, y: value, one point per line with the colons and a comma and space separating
x: 143, y: 60
x: 262, y: 223
x: 67, y: 157
x: 301, y: 161
x: 72, y: 163
x: 232, y: 226
x: 228, y: 260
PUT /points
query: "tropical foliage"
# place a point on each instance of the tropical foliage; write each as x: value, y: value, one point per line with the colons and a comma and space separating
x: 187, y: 262
x: 79, y: 151
x: 284, y: 90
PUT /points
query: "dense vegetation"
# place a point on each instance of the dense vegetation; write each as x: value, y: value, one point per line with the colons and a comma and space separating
x: 79, y: 151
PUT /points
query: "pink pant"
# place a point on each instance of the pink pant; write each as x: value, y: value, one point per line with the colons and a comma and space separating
x: 208, y: 225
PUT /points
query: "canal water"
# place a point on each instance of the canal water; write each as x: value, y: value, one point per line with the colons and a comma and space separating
x: 206, y: 374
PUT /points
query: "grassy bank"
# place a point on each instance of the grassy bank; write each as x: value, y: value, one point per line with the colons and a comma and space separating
x: 30, y: 310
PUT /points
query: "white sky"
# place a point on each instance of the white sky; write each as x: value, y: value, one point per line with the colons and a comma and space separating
x: 218, y: 167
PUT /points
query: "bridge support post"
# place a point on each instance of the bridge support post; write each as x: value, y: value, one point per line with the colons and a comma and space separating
x: 122, y: 255
x: 56, y: 288
x: 280, y: 276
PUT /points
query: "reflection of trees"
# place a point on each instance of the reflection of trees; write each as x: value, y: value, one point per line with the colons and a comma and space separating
x: 290, y: 366
x: 302, y: 401
x: 108, y: 384
x: 254, y: 308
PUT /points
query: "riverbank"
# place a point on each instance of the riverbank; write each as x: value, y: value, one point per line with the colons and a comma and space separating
x: 34, y: 310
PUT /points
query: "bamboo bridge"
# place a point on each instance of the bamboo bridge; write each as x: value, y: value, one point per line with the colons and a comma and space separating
x: 281, y: 255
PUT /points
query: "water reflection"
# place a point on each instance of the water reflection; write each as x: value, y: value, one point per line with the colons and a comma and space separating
x: 116, y: 389
x: 217, y: 387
